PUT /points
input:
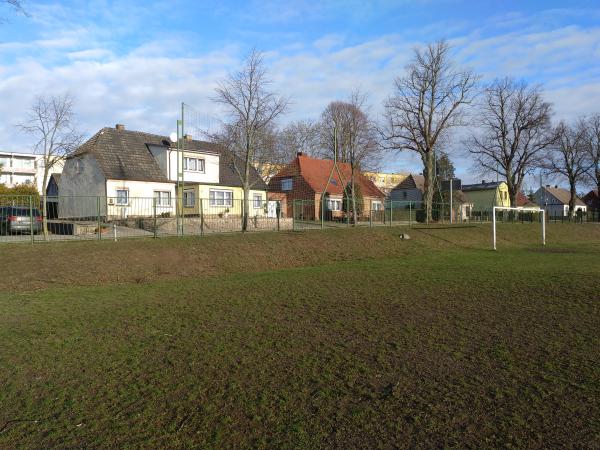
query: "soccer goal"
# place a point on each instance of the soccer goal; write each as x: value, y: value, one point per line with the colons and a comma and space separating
x: 506, y: 208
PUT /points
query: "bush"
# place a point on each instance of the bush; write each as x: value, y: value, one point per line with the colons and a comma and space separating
x: 20, y: 189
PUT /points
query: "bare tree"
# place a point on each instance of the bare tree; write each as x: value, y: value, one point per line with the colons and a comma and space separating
x: 513, y: 132
x: 50, y: 122
x: 568, y: 158
x: 299, y: 136
x: 349, y: 136
x: 252, y: 109
x: 426, y: 104
x: 592, y: 146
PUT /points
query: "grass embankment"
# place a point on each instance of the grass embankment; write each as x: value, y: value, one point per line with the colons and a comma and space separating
x: 348, y: 338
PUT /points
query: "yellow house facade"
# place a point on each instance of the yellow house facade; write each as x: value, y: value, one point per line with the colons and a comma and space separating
x: 219, y: 200
x: 484, y: 196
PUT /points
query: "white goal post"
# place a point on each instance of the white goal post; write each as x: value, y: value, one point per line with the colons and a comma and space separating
x: 507, y: 208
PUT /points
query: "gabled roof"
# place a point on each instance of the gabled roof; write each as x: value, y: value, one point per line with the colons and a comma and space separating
x: 593, y: 194
x: 523, y: 200
x: 412, y: 182
x: 562, y: 195
x: 315, y: 173
x: 481, y: 186
x: 125, y: 155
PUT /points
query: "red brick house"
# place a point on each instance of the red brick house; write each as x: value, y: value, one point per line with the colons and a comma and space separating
x: 305, y: 178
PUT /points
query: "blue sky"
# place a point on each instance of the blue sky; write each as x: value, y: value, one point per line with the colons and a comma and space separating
x: 133, y: 62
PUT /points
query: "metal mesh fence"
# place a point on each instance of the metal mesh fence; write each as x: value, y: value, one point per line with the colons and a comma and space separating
x: 102, y: 218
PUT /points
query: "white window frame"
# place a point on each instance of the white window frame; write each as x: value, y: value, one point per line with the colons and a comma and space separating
x: 332, y: 204
x: 159, y: 198
x: 198, y: 162
x: 214, y: 201
x: 187, y: 194
x: 377, y: 205
x: 257, y: 201
x: 287, y: 184
x: 118, y: 199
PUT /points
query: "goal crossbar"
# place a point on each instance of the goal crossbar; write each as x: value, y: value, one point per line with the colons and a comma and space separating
x: 509, y: 208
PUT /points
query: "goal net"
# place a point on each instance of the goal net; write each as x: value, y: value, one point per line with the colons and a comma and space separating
x: 519, y: 210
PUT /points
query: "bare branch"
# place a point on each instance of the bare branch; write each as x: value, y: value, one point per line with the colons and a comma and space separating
x: 513, y: 134
x: 427, y: 103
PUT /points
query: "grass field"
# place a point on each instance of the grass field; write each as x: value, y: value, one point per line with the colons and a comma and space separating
x: 342, y: 338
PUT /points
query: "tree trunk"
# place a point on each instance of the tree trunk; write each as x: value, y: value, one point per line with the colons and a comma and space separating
x: 245, y: 206
x: 429, y: 184
x: 572, y: 198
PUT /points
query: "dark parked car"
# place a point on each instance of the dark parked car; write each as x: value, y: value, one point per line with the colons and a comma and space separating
x: 18, y: 219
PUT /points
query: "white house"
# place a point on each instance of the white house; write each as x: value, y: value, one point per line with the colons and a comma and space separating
x: 25, y: 168
x: 119, y: 173
x: 555, y: 201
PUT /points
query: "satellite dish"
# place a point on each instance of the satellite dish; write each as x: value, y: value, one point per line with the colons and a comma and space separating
x: 173, y: 137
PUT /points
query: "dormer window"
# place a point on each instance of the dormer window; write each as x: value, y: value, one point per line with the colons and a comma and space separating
x: 193, y: 164
x: 287, y: 184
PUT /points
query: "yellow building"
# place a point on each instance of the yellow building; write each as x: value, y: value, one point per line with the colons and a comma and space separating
x: 221, y: 200
x: 484, y: 196
x: 386, y: 181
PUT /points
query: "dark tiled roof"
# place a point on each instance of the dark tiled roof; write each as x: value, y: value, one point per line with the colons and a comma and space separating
x: 412, y: 182
x: 481, y: 186
x: 124, y: 155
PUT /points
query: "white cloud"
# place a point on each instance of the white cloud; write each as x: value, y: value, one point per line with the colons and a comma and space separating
x: 144, y: 86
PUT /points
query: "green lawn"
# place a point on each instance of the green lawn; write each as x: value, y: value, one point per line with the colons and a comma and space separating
x: 343, y: 338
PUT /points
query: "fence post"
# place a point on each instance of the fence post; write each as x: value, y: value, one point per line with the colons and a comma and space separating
x: 99, y: 223
x: 182, y: 214
x: 409, y: 214
x: 201, y: 216
x: 391, y: 211
x: 31, y: 218
x: 322, y: 208
x: 371, y: 216
x: 277, y: 212
x: 154, y: 216
x: 115, y: 231
x: 293, y: 215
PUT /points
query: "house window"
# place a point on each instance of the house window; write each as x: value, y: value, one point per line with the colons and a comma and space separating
x: 220, y: 198
x: 377, y: 206
x: 122, y: 196
x: 287, y: 184
x: 193, y: 164
x: 189, y: 199
x: 334, y: 205
x: 405, y: 195
x: 163, y: 198
x: 257, y: 201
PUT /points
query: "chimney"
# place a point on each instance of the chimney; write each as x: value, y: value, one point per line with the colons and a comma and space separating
x: 300, y: 154
x: 547, y: 185
x: 187, y: 137
x: 556, y: 186
x: 482, y: 181
x: 120, y: 126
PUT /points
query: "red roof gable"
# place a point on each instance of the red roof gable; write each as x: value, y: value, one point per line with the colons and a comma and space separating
x: 523, y: 200
x: 316, y: 173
